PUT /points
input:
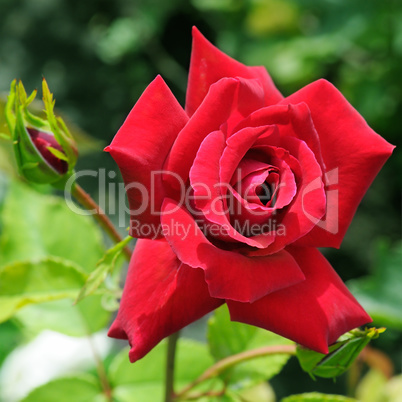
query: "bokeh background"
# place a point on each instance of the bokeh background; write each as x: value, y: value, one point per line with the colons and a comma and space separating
x: 99, y: 55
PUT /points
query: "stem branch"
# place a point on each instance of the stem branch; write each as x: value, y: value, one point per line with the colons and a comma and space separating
x: 230, y: 361
x: 88, y: 203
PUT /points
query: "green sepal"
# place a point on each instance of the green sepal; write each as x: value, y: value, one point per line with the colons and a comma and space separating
x: 58, y: 127
x: 341, y: 354
x: 58, y: 154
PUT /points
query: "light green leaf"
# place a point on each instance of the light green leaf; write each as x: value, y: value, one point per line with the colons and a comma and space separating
x: 371, y: 387
x: 5, y: 136
x: 143, y: 380
x: 227, y: 338
x: 37, y: 226
x: 380, y: 294
x: 261, y: 393
x: 393, y: 389
x: 7, y: 162
x: 104, y: 267
x: 82, y: 388
x: 317, y: 397
x: 62, y: 316
x: 25, y: 283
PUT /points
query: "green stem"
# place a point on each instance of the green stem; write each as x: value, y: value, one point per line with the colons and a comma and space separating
x: 170, y: 360
x: 107, y: 390
x: 231, y: 361
x: 88, y: 203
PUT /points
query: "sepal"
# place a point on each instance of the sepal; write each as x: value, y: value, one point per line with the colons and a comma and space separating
x: 341, y: 354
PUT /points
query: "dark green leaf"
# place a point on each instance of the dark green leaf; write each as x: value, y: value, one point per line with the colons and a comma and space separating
x: 10, y: 336
x: 380, y: 294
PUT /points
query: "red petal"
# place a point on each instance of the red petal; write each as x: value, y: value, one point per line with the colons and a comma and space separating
x: 314, y: 312
x: 227, y: 101
x: 160, y: 296
x: 208, y: 65
x: 208, y: 190
x: 140, y: 148
x: 353, y: 155
x: 307, y: 206
x: 239, y: 144
x: 229, y: 275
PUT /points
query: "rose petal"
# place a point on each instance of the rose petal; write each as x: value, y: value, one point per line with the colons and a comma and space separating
x: 208, y: 65
x: 239, y: 144
x: 292, y: 120
x: 314, y: 312
x: 140, y: 148
x: 227, y: 101
x: 308, y: 203
x: 228, y: 274
x: 248, y: 214
x: 353, y: 155
x: 208, y: 190
x: 161, y: 295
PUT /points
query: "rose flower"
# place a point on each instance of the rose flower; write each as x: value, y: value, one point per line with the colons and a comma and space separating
x: 231, y: 197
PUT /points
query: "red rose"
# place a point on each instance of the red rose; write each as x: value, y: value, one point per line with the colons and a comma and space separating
x: 232, y: 196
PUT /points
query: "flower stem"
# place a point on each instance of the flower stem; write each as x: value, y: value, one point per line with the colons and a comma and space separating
x: 231, y: 361
x: 170, y: 360
x: 88, y: 203
x: 107, y: 390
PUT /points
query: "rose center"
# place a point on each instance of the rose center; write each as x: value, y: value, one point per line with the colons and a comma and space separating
x: 264, y: 192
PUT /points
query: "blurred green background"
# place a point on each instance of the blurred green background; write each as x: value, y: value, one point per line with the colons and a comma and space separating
x: 99, y: 55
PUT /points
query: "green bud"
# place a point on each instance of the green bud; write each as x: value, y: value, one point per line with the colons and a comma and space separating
x: 44, y: 148
x: 341, y: 354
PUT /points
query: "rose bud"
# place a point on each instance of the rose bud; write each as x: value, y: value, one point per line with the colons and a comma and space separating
x: 44, y: 148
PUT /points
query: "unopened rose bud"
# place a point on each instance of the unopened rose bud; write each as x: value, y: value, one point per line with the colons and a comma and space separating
x: 44, y: 148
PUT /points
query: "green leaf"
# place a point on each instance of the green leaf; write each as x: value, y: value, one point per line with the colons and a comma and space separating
x: 261, y: 393
x: 25, y: 283
x: 104, y: 267
x: 5, y: 136
x: 341, y: 354
x: 143, y: 380
x: 62, y: 316
x: 7, y: 162
x: 82, y: 388
x: 380, y: 294
x: 227, y: 338
x: 10, y: 336
x: 317, y: 397
x: 371, y: 387
x: 37, y: 226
